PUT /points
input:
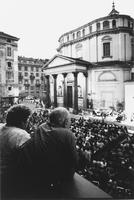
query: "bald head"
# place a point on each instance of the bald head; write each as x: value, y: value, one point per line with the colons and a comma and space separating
x: 60, y: 117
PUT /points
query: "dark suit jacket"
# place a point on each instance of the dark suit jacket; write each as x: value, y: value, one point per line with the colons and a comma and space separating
x: 50, y: 157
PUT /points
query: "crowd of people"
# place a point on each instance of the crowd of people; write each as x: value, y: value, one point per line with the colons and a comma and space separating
x: 106, y: 156
x: 105, y: 151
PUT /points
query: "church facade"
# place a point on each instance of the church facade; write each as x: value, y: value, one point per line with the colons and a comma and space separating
x: 93, y: 64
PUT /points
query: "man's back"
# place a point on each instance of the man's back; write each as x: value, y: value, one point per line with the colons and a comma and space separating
x: 11, y: 138
x: 49, y: 157
x: 57, y: 146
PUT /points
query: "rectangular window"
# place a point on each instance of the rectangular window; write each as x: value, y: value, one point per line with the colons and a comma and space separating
x: 26, y: 87
x: 9, y: 51
x: 26, y: 81
x: 19, y: 68
x: 106, y: 49
x: 20, y: 82
x: 26, y: 74
x: 9, y: 75
x: 32, y: 69
x: 37, y: 69
x: 37, y: 81
x: 32, y: 81
x: 26, y: 69
x: 9, y: 65
x: 32, y: 87
x: 37, y: 74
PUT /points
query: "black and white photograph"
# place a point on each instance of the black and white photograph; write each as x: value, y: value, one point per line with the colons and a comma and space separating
x: 66, y: 99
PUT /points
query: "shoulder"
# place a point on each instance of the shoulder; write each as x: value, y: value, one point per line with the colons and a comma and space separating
x: 65, y: 132
x: 2, y: 126
x: 21, y: 135
x: 44, y: 126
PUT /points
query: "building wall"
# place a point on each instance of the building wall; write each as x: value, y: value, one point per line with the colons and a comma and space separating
x: 30, y: 76
x: 129, y: 99
x: 8, y: 65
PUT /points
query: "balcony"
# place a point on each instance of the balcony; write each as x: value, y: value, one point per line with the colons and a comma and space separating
x: 77, y: 188
x: 9, y: 81
x: 81, y: 188
x: 27, y: 84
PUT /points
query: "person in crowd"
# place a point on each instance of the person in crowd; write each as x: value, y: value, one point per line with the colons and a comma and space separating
x: 50, y: 157
x: 12, y: 136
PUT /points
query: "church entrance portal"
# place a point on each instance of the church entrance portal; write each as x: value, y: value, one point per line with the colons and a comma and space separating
x: 69, y: 96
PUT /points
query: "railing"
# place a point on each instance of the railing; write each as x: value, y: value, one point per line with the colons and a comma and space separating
x: 77, y: 188
x: 10, y: 81
x: 81, y: 188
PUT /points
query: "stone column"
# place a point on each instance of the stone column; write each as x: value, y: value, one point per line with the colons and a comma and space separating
x: 75, y: 103
x: 65, y: 91
x: 55, y: 89
x: 47, y: 91
x: 85, y: 92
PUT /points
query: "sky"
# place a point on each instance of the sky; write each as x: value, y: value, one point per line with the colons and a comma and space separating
x: 39, y: 23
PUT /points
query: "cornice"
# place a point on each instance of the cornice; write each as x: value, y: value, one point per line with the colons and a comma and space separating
x: 120, y: 64
x: 98, y: 33
x: 95, y: 21
x: 30, y: 64
x: 5, y: 35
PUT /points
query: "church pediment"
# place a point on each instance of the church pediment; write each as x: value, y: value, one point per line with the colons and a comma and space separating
x: 58, y: 61
x: 64, y: 64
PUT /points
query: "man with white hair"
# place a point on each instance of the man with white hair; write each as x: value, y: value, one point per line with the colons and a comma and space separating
x: 51, y: 153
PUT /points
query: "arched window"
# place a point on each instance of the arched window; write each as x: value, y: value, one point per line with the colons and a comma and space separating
x: 90, y: 29
x: 106, y: 25
x: 98, y: 26
x: 62, y: 40
x: 83, y: 31
x: 67, y: 38
x: 78, y: 34
x: 114, y: 23
x: 73, y: 36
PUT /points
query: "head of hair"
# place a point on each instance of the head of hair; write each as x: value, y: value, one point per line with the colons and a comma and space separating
x: 59, y: 117
x: 17, y: 114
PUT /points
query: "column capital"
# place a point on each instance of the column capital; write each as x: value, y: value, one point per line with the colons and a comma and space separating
x: 54, y: 76
x: 46, y: 76
x: 75, y: 74
x: 85, y: 74
x: 64, y: 74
